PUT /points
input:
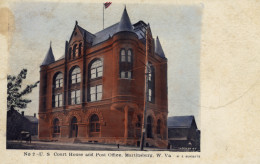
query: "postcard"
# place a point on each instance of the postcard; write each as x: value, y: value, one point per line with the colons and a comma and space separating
x: 130, y: 81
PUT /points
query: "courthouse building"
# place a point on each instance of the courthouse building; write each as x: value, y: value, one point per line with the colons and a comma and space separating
x: 95, y: 92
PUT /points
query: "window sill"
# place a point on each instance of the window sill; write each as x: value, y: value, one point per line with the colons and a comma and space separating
x: 124, y: 79
x: 97, y: 78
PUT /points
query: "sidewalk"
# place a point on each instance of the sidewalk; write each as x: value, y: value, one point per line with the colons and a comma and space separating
x: 39, y: 145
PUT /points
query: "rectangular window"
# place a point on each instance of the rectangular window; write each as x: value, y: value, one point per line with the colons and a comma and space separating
x: 73, y: 79
x: 129, y: 58
x: 58, y: 83
x: 78, y: 79
x: 96, y: 93
x: 99, y: 92
x: 93, y: 73
x: 126, y: 75
x: 122, y: 74
x: 58, y: 100
x: 150, y: 95
x: 75, y: 97
x: 129, y: 75
x: 99, y: 71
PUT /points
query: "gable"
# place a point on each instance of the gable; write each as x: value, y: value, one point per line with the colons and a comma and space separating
x: 76, y: 36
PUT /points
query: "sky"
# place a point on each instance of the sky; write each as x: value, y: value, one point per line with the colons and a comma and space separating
x: 177, y: 26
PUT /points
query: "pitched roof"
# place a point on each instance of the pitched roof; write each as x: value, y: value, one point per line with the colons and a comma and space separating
x: 158, y: 48
x: 89, y: 37
x: 180, y: 121
x: 32, y: 119
x: 105, y: 34
x: 49, y: 57
x: 138, y: 28
x: 125, y: 23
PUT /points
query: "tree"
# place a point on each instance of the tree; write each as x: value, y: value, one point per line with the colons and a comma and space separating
x: 14, y: 95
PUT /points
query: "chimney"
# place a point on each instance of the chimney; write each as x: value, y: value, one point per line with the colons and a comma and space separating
x: 22, y: 113
x: 34, y: 115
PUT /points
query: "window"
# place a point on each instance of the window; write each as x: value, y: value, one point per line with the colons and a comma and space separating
x: 56, y: 126
x: 149, y: 127
x: 58, y: 100
x: 74, y: 86
x: 150, y: 95
x: 123, y: 55
x: 58, y: 81
x: 96, y: 93
x: 75, y: 97
x: 151, y: 83
x: 74, y: 50
x: 79, y: 51
x: 94, y: 123
x: 96, y: 69
x: 126, y: 64
x: 129, y: 56
x: 57, y: 90
x: 75, y: 76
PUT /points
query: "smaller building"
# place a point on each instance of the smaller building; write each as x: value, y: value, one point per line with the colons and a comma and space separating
x: 183, y: 132
x: 17, y: 122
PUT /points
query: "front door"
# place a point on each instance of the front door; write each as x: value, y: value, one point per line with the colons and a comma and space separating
x: 74, y: 128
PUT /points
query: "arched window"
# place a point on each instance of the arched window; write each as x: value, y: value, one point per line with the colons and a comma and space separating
x: 96, y: 69
x: 74, y: 50
x: 94, y: 123
x: 151, y: 83
x: 126, y: 64
x: 75, y: 76
x: 149, y: 127
x: 123, y: 55
x: 79, y: 51
x: 95, y: 83
x: 74, y: 86
x: 57, y: 90
x: 74, y: 127
x: 129, y: 56
x: 158, y: 128
x: 58, y: 80
x: 56, y: 127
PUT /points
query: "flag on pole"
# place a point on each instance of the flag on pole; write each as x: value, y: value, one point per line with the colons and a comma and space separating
x: 107, y: 4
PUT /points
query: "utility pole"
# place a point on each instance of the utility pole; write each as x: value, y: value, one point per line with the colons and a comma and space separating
x: 145, y: 93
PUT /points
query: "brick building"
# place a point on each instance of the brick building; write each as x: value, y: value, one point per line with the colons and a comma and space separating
x: 95, y: 92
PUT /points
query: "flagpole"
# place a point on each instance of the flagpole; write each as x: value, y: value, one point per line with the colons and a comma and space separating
x: 103, y: 14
